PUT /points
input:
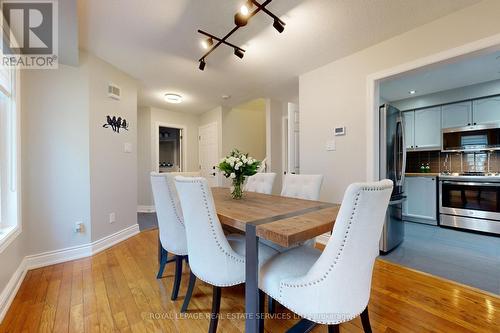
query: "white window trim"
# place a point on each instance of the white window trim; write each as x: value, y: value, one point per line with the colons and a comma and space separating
x: 10, y: 233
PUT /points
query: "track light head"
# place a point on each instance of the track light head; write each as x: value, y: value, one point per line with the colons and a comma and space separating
x: 207, y: 43
x: 202, y: 65
x: 239, y: 53
x: 278, y: 26
x: 240, y: 20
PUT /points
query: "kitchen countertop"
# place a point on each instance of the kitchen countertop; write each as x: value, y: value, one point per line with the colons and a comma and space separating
x: 418, y: 174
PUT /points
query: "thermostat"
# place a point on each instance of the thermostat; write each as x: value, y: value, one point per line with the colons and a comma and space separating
x: 339, y: 131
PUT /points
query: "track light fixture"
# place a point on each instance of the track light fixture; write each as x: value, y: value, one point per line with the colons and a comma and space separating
x: 207, y: 43
x: 239, y: 53
x: 241, y: 18
x: 278, y: 26
x: 202, y: 65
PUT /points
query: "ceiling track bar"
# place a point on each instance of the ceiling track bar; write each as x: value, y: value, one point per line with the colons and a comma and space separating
x: 223, y: 40
x: 265, y: 10
x: 220, y: 40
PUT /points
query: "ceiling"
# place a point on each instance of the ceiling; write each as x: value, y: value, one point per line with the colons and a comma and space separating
x: 156, y: 42
x: 455, y: 74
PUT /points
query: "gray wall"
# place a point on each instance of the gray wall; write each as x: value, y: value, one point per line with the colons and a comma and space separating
x: 55, y: 157
x: 113, y: 173
x: 448, y: 96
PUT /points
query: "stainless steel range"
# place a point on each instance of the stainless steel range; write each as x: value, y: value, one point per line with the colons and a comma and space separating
x: 470, y: 201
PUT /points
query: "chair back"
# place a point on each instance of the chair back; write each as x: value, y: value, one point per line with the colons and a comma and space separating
x: 340, y: 280
x: 168, y: 211
x: 306, y: 187
x: 211, y: 258
x: 261, y: 183
x: 186, y: 174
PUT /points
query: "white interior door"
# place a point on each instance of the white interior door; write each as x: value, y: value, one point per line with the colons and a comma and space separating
x: 209, y: 152
x: 293, y: 154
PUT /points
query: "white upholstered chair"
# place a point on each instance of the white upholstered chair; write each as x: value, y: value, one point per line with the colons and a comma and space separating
x: 213, y: 258
x: 170, y: 226
x: 333, y: 287
x: 306, y: 187
x: 261, y: 183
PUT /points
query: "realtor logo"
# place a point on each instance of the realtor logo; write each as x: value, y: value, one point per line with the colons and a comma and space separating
x: 29, y: 38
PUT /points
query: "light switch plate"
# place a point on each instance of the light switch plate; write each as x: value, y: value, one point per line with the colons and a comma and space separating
x: 330, y: 145
x: 127, y: 147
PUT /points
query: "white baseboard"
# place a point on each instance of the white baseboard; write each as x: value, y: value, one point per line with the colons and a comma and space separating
x: 58, y: 256
x: 10, y: 290
x: 146, y: 209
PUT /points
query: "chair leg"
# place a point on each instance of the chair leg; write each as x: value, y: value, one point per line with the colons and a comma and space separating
x: 189, y: 293
x: 334, y: 328
x: 163, y: 259
x: 262, y: 299
x: 214, y: 318
x: 178, y: 276
x: 365, y: 320
x: 271, y: 305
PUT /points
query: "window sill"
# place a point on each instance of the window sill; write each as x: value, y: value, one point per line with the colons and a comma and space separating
x: 7, y: 236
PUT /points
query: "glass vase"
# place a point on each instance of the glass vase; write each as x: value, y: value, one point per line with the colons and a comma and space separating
x: 237, y: 189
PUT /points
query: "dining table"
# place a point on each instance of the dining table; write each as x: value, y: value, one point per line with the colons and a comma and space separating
x: 284, y: 221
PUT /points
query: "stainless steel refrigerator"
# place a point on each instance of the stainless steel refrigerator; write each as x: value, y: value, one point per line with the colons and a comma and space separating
x: 392, y: 166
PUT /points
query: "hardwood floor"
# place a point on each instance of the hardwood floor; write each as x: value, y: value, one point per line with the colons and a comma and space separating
x: 116, y: 291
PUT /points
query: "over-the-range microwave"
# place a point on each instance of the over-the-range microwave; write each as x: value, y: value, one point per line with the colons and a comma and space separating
x: 471, y: 138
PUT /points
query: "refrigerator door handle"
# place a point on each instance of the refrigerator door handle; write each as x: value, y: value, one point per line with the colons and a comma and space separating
x: 403, y: 140
x: 400, y: 153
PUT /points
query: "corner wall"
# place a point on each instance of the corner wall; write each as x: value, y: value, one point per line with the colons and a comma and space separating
x: 336, y: 94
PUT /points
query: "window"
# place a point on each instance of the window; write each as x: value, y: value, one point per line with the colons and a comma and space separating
x: 9, y: 157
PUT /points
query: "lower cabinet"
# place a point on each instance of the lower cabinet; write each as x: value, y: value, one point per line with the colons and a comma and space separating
x: 421, y: 200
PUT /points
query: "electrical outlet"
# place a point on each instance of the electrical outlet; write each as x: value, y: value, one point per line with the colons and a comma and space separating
x: 112, y: 218
x: 78, y: 227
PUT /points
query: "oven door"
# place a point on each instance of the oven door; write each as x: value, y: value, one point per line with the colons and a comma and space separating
x: 470, y: 199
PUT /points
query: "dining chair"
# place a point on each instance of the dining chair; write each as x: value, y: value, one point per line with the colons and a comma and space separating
x: 261, y: 183
x: 170, y: 226
x: 213, y: 258
x: 333, y: 286
x: 305, y: 187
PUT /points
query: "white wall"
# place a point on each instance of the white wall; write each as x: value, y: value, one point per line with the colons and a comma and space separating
x: 55, y: 157
x: 113, y: 173
x: 147, y: 120
x: 336, y: 94
x: 449, y: 96
x: 245, y: 129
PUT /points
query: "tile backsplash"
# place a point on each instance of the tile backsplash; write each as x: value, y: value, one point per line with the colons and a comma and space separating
x: 454, y: 162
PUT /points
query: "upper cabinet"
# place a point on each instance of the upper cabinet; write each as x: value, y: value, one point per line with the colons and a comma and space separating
x: 486, y: 110
x: 409, y: 120
x: 457, y: 115
x: 428, y: 128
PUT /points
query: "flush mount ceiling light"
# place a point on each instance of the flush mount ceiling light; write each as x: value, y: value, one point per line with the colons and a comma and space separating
x: 173, y: 98
x: 241, y: 18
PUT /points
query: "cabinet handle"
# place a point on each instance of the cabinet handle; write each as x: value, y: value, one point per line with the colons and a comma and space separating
x: 468, y: 124
x: 475, y: 123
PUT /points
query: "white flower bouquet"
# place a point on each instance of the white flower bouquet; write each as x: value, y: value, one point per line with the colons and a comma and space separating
x: 237, y: 166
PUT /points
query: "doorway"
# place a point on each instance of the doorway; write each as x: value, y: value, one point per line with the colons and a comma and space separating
x: 169, y: 148
x: 208, y: 141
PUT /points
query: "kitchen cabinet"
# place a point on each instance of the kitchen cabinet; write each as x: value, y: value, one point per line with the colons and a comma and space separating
x: 428, y: 128
x: 409, y: 120
x: 421, y: 200
x: 486, y: 110
x: 456, y: 114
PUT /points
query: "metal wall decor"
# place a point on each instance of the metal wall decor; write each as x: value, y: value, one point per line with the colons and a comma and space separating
x: 116, y: 123
x: 247, y: 11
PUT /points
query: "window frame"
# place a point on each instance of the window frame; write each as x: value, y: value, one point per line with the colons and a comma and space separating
x: 10, y: 231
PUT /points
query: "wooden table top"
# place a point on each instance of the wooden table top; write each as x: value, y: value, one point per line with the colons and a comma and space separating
x: 284, y: 221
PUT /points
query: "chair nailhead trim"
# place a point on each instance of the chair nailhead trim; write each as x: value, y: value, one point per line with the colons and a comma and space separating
x: 337, y: 258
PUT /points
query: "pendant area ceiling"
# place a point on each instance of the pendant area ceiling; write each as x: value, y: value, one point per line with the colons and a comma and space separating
x: 156, y: 42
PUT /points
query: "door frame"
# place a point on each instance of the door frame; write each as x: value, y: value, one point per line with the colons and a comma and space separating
x: 156, y: 145
x: 284, y: 144
x: 475, y: 48
x: 218, y: 180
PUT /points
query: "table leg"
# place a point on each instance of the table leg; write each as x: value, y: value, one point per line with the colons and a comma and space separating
x: 252, y: 282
